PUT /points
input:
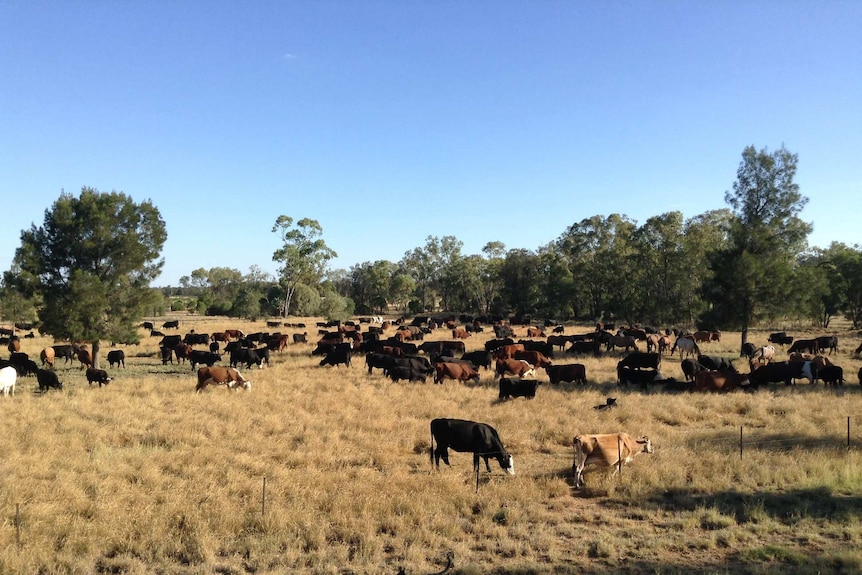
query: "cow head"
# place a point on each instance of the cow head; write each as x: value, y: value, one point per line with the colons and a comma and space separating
x: 507, y: 463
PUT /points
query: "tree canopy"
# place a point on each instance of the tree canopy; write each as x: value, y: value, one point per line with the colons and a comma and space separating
x: 91, y: 263
x: 303, y: 254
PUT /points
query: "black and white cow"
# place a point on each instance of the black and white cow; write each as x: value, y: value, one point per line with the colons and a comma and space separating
x: 468, y: 436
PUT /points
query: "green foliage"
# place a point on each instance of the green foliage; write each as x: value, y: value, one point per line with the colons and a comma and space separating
x: 91, y: 262
x: 303, y: 254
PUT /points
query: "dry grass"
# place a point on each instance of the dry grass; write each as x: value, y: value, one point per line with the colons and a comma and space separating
x: 145, y: 476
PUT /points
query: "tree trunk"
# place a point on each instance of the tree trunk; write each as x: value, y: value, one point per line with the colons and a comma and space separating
x: 744, y: 339
x: 96, y: 346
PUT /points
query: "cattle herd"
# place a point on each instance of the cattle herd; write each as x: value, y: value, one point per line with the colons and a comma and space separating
x: 401, y: 352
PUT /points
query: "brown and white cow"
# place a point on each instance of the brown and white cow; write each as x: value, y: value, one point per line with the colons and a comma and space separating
x: 536, y: 358
x: 517, y: 367
x: 508, y: 351
x: 606, y: 450
x: 221, y: 376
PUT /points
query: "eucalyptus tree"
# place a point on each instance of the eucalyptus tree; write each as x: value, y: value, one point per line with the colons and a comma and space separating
x: 91, y: 263
x: 303, y: 255
x: 371, y: 285
x: 752, y: 274
x: 519, y: 273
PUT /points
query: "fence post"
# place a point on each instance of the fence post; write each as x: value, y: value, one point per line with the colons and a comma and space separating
x: 619, y: 456
x: 263, y: 499
x: 848, y: 433
x: 740, y: 442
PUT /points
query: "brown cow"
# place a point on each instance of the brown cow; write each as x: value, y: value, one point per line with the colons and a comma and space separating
x: 701, y: 336
x: 14, y: 344
x: 457, y: 371
x: 516, y: 367
x: 536, y: 358
x: 715, y: 336
x: 47, y: 356
x: 624, y: 341
x: 535, y: 332
x: 182, y: 352
x: 220, y: 376
x: 606, y: 450
x: 719, y: 381
x: 219, y: 336
x: 460, y: 333
x: 234, y: 333
x: 84, y: 357
x: 508, y: 351
x: 574, y: 372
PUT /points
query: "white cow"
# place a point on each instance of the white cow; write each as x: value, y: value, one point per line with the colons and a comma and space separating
x: 8, y: 376
x: 606, y: 450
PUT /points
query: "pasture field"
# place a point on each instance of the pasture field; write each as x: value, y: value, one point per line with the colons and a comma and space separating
x: 326, y: 470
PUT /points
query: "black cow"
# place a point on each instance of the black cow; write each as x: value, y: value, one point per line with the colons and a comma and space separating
x: 468, y: 436
x: 542, y: 347
x: 502, y: 331
x: 716, y: 363
x: 430, y: 347
x: 805, y: 346
x: 641, y: 377
x: 67, y: 352
x: 244, y: 355
x: 416, y: 362
x: 117, y: 356
x: 778, y: 371
x: 171, y: 324
x: 148, y: 325
x: 47, y: 380
x: 339, y: 354
x: 23, y: 364
x: 207, y: 358
x: 197, y: 338
x: 171, y: 341
x: 493, y: 344
x: 831, y: 374
x: 829, y: 342
x: 263, y: 354
x: 379, y: 360
x: 479, y: 358
x: 780, y: 337
x: 167, y: 354
x: 515, y: 387
x: 99, y: 376
x: 300, y: 337
x: 641, y: 360
x: 585, y: 346
x: 748, y: 350
x: 398, y: 372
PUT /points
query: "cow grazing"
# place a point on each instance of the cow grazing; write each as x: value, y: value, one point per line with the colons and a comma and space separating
x: 493, y: 345
x: 535, y: 332
x: 606, y: 450
x: 8, y: 377
x: 535, y: 358
x: 747, y: 350
x: 48, y: 380
x: 399, y: 372
x: 84, y: 357
x: 99, y: 376
x: 339, y: 354
x: 247, y: 356
x: 171, y: 324
x: 829, y: 342
x: 686, y: 345
x: 468, y: 436
x: 585, y: 347
x: 460, y: 333
x: 641, y: 377
x: 456, y: 371
x: 516, y: 387
x: 67, y: 352
x: 23, y: 364
x: 517, y: 367
x: 14, y: 344
x: 117, y: 356
x: 719, y: 381
x: 47, y: 356
x: 571, y: 372
x: 300, y: 337
x: 167, y: 355
x: 627, y: 342
x: 227, y: 376
x: 779, y: 371
x: 763, y: 354
x: 508, y: 351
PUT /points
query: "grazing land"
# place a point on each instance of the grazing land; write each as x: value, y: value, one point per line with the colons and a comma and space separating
x: 326, y: 470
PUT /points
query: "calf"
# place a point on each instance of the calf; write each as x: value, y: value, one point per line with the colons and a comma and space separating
x: 99, y: 376
x: 48, y: 380
x: 516, y: 387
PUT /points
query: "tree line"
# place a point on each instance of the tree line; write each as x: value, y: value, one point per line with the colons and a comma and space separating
x: 85, y: 274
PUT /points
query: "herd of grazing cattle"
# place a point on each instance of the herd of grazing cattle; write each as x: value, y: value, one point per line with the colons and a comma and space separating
x: 401, y: 352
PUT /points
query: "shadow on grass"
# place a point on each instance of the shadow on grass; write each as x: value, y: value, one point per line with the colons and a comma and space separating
x: 788, y: 506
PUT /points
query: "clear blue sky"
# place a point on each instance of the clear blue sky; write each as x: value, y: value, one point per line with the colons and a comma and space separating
x: 391, y: 121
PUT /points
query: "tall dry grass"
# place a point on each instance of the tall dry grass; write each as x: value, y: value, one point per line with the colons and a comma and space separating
x: 145, y: 476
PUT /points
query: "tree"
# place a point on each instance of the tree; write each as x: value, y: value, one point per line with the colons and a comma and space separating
x: 303, y: 255
x: 91, y: 262
x: 765, y: 237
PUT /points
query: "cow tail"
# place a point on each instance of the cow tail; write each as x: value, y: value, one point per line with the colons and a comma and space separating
x: 431, y: 454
